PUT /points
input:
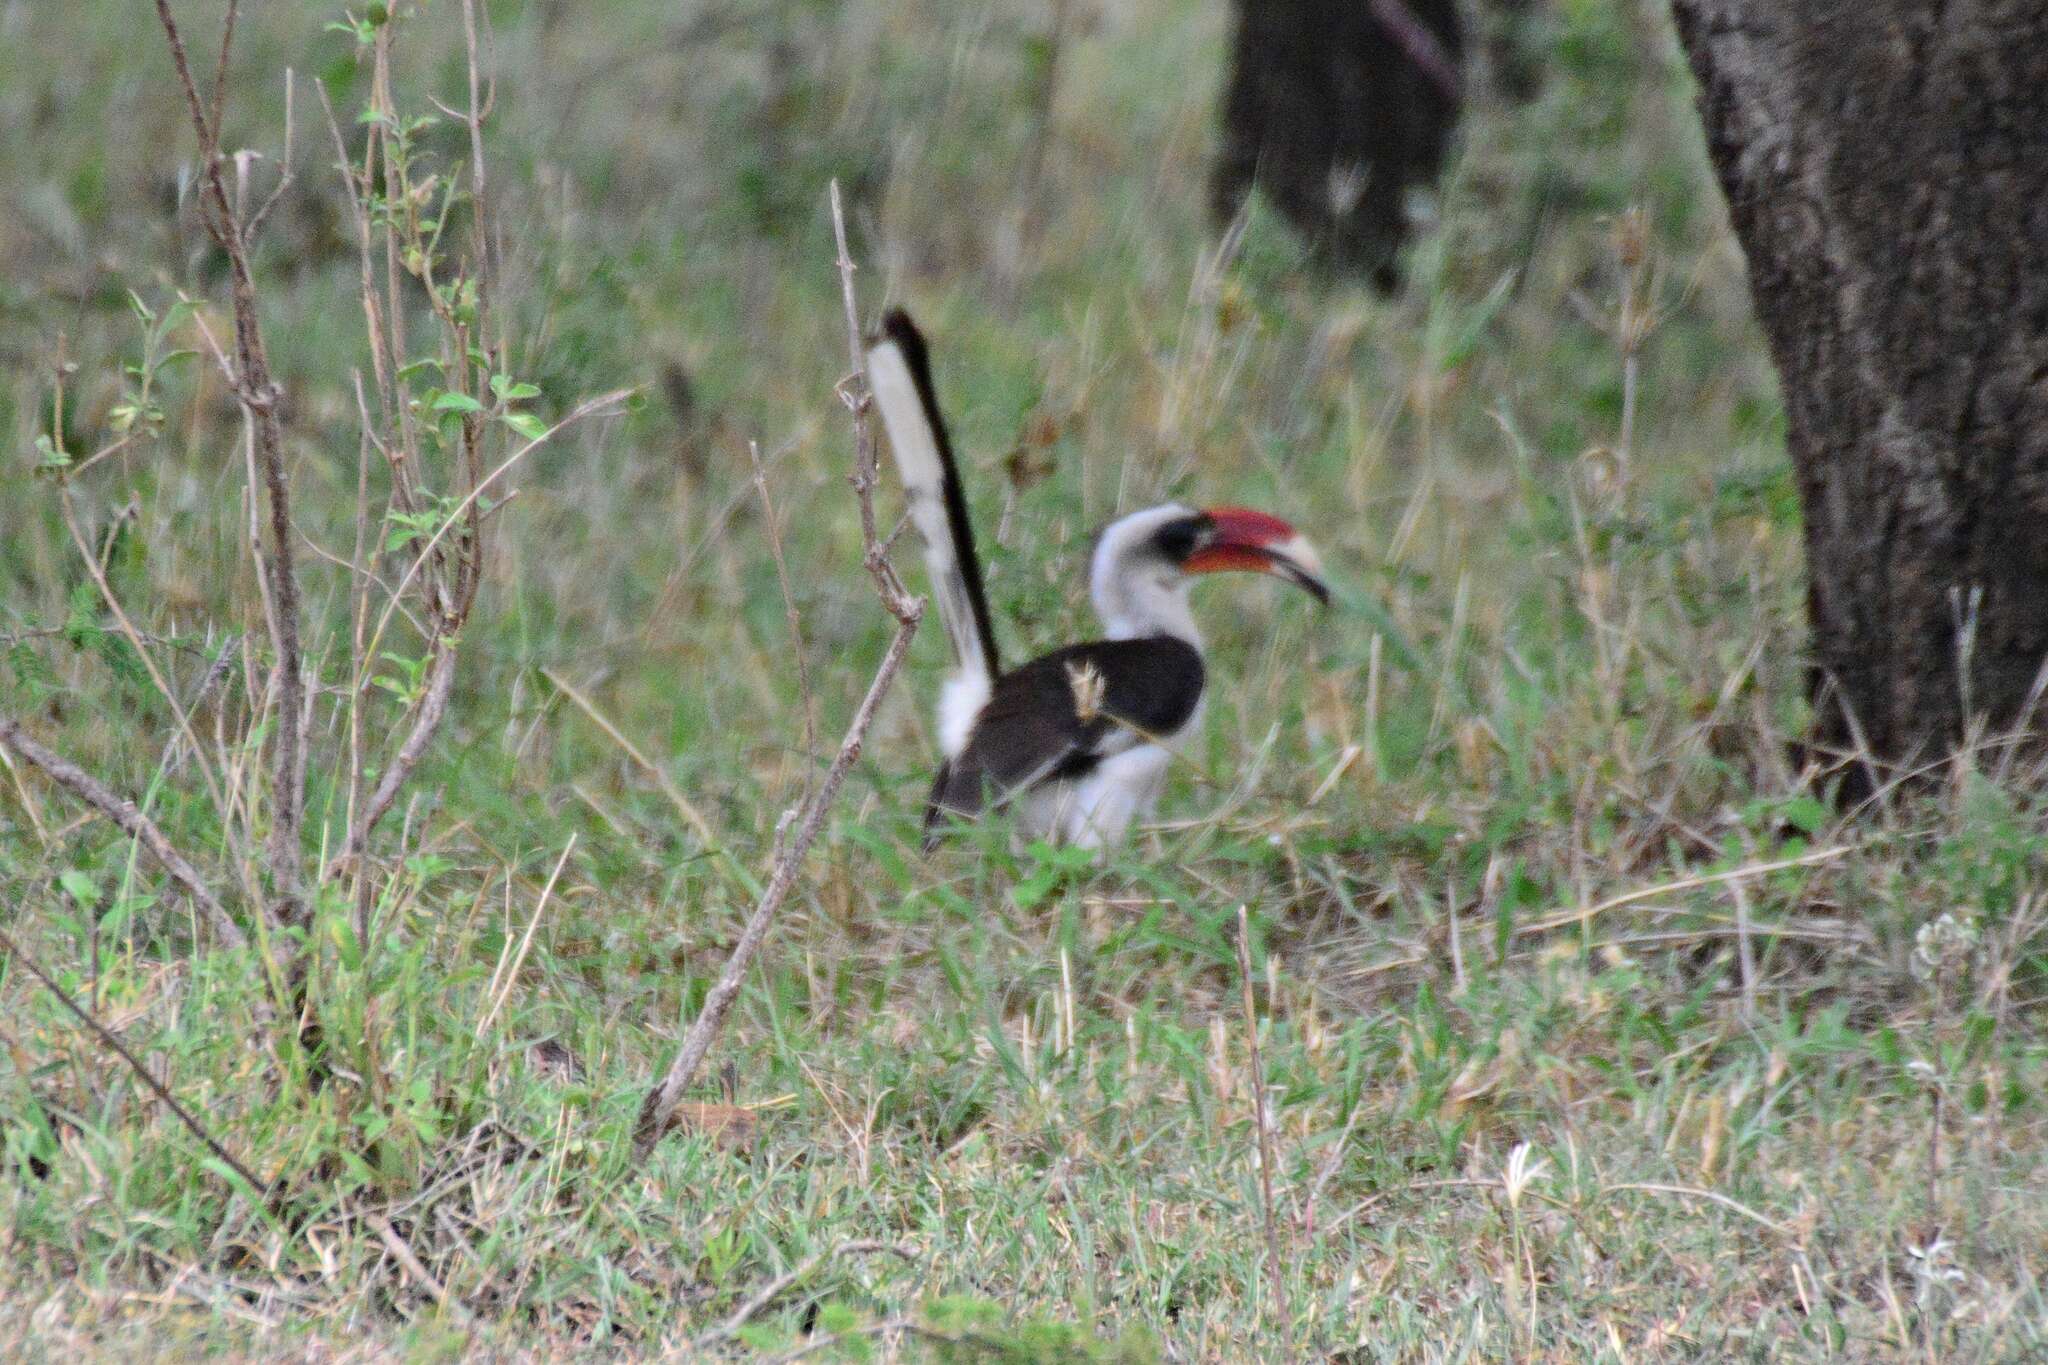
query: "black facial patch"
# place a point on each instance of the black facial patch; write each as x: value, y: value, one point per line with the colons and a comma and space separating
x: 1181, y: 537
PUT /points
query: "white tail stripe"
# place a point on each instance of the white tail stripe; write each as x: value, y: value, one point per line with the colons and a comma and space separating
x: 916, y: 448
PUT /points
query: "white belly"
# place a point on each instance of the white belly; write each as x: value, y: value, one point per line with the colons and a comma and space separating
x: 1098, y: 809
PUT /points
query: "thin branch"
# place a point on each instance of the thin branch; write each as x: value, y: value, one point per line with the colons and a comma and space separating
x: 258, y: 395
x: 480, y: 209
x: 228, y: 1159
x: 127, y: 815
x: 284, y: 169
x: 218, y: 122
x: 427, y: 719
x: 661, y: 1101
x: 865, y: 475
x: 216, y: 671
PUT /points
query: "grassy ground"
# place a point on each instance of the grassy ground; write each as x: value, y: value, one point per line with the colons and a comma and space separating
x: 1588, y: 1032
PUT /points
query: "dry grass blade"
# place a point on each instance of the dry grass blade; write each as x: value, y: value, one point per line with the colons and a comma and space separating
x: 776, y: 1287
x: 1263, y: 1122
x: 97, y: 572
x: 1711, y: 1196
x: 397, y: 1246
x: 684, y: 806
x: 773, y: 528
x: 1734, y: 874
x: 498, y: 989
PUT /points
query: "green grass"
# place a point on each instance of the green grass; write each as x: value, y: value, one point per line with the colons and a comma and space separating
x: 1484, y: 813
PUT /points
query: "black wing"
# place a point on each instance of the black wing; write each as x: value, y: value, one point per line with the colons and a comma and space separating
x: 1033, y: 729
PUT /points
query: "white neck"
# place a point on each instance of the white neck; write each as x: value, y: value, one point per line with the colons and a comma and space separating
x: 1137, y: 593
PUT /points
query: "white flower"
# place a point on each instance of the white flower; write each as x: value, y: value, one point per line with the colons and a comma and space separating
x: 1522, y: 1173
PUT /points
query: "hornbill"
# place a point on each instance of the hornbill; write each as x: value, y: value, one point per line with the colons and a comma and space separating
x: 1078, y: 739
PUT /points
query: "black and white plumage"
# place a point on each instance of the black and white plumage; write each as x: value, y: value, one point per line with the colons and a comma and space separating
x: 1078, y: 740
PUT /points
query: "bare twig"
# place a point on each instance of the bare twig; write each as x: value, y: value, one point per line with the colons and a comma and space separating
x: 662, y: 1099
x: 127, y: 815
x: 258, y: 395
x: 106, y: 1036
x: 284, y: 168
x: 473, y: 118
x: 220, y: 71
x: 865, y: 475
x: 396, y: 1245
x: 208, y: 681
x: 1263, y: 1121
x: 426, y: 720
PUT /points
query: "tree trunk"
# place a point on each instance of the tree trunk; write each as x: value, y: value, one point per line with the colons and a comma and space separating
x: 1886, y: 167
x: 1334, y: 109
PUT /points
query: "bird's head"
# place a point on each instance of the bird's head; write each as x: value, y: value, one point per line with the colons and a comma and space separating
x: 1144, y: 563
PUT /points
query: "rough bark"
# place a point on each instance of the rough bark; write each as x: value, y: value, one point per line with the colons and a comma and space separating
x: 1886, y: 168
x: 1335, y: 108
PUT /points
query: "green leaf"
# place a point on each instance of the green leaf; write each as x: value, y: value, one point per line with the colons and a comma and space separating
x: 117, y: 916
x: 526, y: 424
x: 455, y: 402
x: 80, y: 888
x: 1805, y: 814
